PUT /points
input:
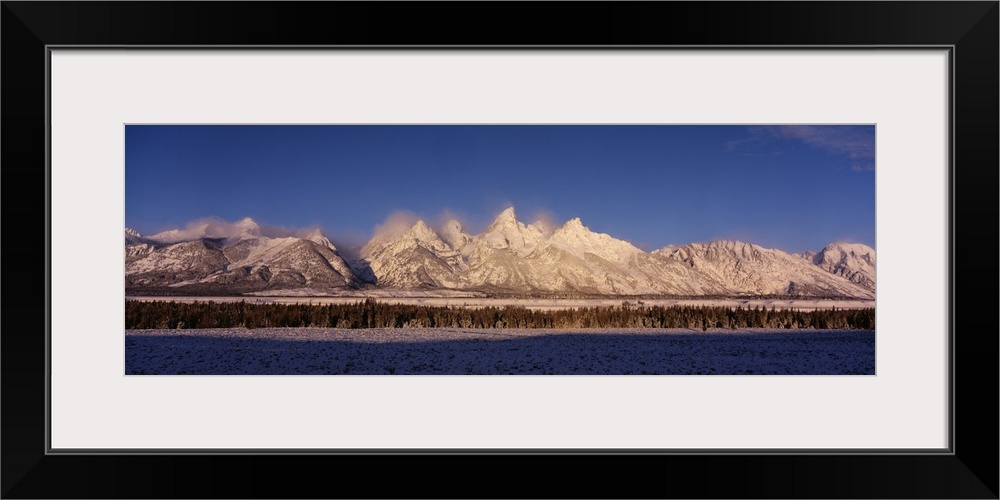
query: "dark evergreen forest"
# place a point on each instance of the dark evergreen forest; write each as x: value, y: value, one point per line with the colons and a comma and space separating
x: 374, y: 314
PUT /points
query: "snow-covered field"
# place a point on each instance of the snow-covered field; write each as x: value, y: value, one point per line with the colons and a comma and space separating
x: 445, y: 351
x: 535, y: 304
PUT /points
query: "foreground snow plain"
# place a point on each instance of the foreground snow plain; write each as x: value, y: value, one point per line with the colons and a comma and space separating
x: 452, y: 351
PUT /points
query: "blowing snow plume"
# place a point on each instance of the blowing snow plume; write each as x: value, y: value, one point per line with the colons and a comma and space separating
x: 545, y: 220
x: 395, y: 224
x: 215, y: 227
x: 210, y: 227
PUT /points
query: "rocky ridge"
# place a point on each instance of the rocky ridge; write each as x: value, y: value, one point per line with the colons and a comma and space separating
x: 508, y: 257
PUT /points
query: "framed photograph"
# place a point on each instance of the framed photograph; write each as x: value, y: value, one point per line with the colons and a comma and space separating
x: 524, y: 291
x: 364, y: 242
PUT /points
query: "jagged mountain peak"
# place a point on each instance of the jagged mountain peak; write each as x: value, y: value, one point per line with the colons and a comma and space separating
x: 729, y: 244
x: 853, y: 261
x: 136, y: 244
x: 132, y: 237
x: 573, y: 227
x: 507, y: 218
x: 507, y: 221
x: 845, y: 243
x: 574, y: 224
x: 234, y: 257
x: 718, y: 249
x: 579, y: 240
x: 506, y: 232
x: 858, y: 250
x: 417, y: 234
x: 714, y: 246
x: 316, y: 236
x: 508, y: 255
x: 421, y: 231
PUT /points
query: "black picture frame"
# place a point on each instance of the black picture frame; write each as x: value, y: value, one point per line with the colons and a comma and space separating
x: 970, y: 29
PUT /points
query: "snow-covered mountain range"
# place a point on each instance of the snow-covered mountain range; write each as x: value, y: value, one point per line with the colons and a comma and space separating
x: 508, y: 257
x: 201, y: 261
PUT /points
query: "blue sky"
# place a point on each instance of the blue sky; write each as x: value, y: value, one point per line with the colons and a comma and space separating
x: 794, y: 188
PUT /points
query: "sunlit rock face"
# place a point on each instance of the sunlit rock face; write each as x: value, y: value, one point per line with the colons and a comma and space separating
x: 509, y: 256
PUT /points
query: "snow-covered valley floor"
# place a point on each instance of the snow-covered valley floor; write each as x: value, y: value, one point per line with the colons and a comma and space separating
x: 447, y: 351
x: 804, y: 304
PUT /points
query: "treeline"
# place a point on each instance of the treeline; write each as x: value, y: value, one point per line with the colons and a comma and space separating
x: 374, y: 314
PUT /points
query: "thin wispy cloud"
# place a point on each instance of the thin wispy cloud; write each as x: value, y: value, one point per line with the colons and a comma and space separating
x: 217, y: 227
x: 857, y: 143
